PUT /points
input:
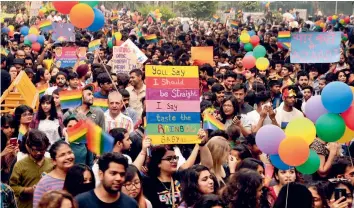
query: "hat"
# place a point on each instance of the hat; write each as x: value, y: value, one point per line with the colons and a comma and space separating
x: 90, y: 87
x: 29, y: 70
x: 82, y: 70
x: 18, y: 61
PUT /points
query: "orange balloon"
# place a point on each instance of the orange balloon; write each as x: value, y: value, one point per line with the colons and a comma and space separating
x: 347, y: 136
x: 82, y: 15
x: 11, y: 33
x: 294, y: 151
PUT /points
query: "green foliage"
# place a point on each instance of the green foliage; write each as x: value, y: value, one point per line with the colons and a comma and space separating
x: 166, y: 12
x: 249, y: 6
x: 197, y: 9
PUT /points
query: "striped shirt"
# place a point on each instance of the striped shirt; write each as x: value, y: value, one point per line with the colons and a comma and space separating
x: 121, y: 121
x: 47, y: 183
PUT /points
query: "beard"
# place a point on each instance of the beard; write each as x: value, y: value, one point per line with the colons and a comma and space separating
x: 109, y: 189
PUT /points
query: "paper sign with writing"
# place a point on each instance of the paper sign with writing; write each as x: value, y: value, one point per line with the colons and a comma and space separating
x: 123, y: 60
x: 202, y: 55
x: 35, y: 6
x: 64, y: 30
x: 315, y: 47
x: 172, y: 104
x: 66, y: 56
x: 141, y: 58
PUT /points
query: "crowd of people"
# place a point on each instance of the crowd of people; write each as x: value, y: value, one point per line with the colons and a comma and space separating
x: 226, y: 169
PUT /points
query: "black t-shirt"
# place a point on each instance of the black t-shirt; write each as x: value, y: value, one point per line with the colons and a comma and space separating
x: 89, y: 200
x: 158, y: 195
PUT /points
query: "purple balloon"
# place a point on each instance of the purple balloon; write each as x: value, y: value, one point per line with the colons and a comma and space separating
x: 314, y: 108
x: 32, y: 37
x: 268, y: 139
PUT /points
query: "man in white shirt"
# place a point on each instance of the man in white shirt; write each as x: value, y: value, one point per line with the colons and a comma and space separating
x: 113, y: 116
x: 286, y: 112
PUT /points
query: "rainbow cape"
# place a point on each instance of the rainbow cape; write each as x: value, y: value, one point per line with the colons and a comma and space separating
x: 234, y: 24
x: 78, y: 132
x: 93, y: 45
x: 45, y: 25
x: 41, y: 89
x: 284, y: 37
x: 210, y: 122
x: 152, y: 38
x: 98, y: 141
x: 21, y: 132
x: 101, y: 103
x: 70, y: 98
x: 215, y: 18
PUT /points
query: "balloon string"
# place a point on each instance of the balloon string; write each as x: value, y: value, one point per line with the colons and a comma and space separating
x: 350, y: 157
x: 287, y: 194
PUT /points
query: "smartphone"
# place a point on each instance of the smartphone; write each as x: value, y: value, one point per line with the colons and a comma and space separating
x: 339, y: 192
x: 13, y: 141
x: 238, y: 117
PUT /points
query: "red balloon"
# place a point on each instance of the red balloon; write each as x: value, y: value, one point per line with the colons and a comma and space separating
x: 11, y: 33
x: 347, y: 20
x: 249, y: 62
x: 36, y: 47
x: 348, y: 117
x: 330, y: 18
x: 64, y: 7
x: 254, y: 40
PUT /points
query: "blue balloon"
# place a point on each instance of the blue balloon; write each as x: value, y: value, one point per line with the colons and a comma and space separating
x: 5, y: 30
x: 24, y: 30
x: 278, y: 163
x: 98, y: 22
x: 251, y: 33
x: 337, y: 97
x: 41, y: 39
x: 334, y: 21
x: 249, y: 53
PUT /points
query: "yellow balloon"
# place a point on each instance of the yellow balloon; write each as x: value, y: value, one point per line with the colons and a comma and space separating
x: 11, y: 27
x: 33, y: 30
x: 347, y: 136
x: 118, y: 36
x: 322, y: 25
x: 245, y: 38
x: 334, y: 17
x: 301, y: 127
x: 262, y: 63
x: 244, y: 31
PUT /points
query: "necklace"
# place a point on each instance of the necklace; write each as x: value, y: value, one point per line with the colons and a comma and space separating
x: 168, y: 189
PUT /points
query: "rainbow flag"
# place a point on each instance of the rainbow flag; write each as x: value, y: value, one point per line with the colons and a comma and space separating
x: 41, y: 89
x: 215, y: 18
x: 93, y: 45
x: 98, y: 141
x: 101, y: 103
x: 78, y: 132
x: 4, y: 51
x: 152, y: 38
x: 45, y: 25
x: 284, y: 37
x: 21, y: 132
x: 210, y: 122
x: 268, y: 4
x: 115, y: 18
x: 70, y: 98
x: 234, y: 24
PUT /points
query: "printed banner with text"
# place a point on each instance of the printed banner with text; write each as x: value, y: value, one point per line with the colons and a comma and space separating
x: 172, y: 104
x: 315, y: 47
x: 123, y: 60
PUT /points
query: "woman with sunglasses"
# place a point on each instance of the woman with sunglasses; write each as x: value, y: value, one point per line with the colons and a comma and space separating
x: 162, y: 187
x: 132, y: 187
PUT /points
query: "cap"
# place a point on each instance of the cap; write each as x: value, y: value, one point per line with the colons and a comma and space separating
x: 90, y: 87
x: 18, y: 61
x: 82, y: 70
x: 29, y: 70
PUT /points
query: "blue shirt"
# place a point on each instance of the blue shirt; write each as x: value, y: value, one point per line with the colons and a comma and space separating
x: 99, y: 95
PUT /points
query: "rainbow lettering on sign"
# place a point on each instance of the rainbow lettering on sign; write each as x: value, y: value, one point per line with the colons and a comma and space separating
x: 172, y: 104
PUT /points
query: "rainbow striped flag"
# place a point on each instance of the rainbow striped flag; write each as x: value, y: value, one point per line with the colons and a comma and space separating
x: 78, y: 132
x: 115, y: 18
x: 152, y: 38
x: 215, y: 18
x: 234, y: 24
x: 284, y: 37
x: 210, y: 122
x: 45, y: 25
x: 101, y: 103
x: 41, y: 89
x: 21, y: 132
x: 98, y: 141
x: 93, y: 45
x: 70, y: 98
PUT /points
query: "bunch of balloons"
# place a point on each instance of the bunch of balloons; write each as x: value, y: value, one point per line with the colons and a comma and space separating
x: 82, y: 14
x: 290, y: 148
x: 255, y: 52
x: 32, y: 37
x: 342, y: 20
x: 10, y: 30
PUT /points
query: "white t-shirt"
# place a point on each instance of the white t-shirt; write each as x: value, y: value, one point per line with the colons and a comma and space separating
x: 50, y: 128
x: 253, y: 118
x: 283, y: 117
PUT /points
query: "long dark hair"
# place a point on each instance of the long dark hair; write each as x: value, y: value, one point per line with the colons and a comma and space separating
x: 17, y: 118
x: 241, y: 190
x: 209, y: 201
x: 294, y: 195
x: 74, y: 180
x: 157, y: 154
x: 320, y: 187
x: 190, y: 182
x: 6, y: 120
x: 234, y: 104
x: 40, y: 73
x: 129, y: 176
x: 53, y: 111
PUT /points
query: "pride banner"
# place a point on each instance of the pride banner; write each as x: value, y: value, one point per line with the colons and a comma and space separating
x: 172, y: 104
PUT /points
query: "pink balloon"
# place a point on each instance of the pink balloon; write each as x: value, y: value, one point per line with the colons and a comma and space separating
x: 32, y: 37
x: 36, y: 47
x: 249, y: 62
x: 254, y: 40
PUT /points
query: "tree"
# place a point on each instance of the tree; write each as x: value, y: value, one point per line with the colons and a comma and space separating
x: 165, y: 11
x: 249, y: 6
x: 197, y: 9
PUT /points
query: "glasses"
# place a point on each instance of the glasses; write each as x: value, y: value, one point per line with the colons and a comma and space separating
x: 129, y: 186
x: 6, y: 127
x: 336, y: 180
x: 26, y: 114
x: 171, y: 158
